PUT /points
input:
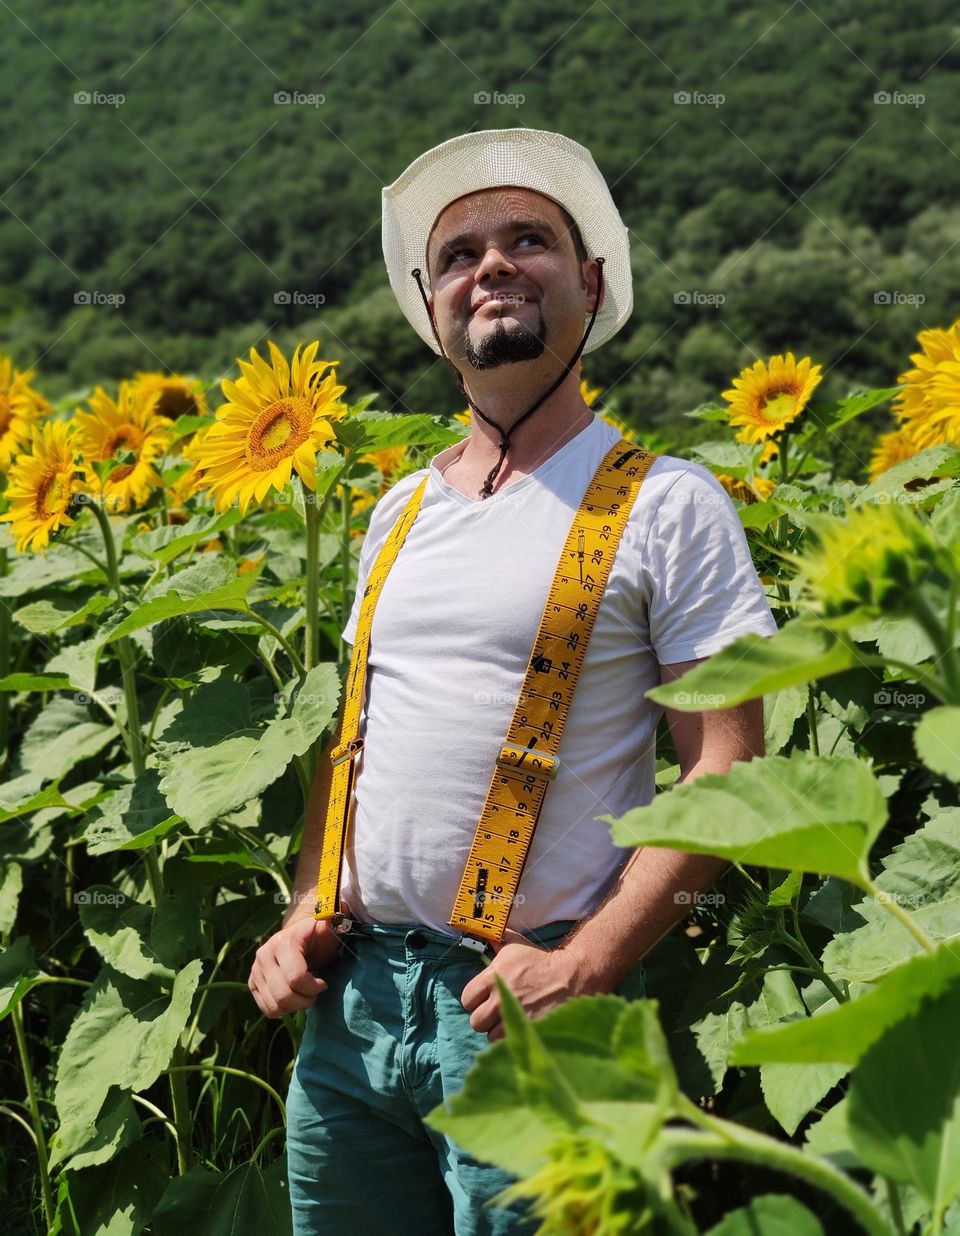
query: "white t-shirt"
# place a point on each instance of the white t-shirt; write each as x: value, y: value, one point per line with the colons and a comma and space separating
x: 451, y: 638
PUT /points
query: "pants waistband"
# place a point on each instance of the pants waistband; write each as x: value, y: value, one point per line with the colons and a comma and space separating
x: 425, y: 942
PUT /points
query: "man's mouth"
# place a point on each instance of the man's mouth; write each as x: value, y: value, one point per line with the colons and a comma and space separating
x: 502, y: 302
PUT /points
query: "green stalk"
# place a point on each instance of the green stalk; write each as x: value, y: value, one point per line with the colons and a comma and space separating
x: 42, y: 1162
x: 225, y: 1068
x: 725, y: 1140
x: 281, y: 639
x: 900, y: 913
x: 812, y: 720
x: 923, y: 612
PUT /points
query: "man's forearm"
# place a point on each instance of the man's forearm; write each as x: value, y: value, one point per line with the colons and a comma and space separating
x: 653, y: 893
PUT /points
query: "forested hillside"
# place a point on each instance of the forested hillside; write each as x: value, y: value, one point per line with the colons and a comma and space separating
x: 221, y: 216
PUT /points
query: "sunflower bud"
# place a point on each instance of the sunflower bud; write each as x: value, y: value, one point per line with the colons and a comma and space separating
x: 871, y: 556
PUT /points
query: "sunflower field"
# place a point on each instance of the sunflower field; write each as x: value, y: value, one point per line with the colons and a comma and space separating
x: 176, y: 565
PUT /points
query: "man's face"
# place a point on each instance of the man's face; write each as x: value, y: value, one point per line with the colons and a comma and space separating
x: 506, y: 283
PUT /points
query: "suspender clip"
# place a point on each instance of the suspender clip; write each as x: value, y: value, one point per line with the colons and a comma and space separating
x: 346, y: 751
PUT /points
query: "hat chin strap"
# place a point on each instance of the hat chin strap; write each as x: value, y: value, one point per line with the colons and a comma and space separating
x: 488, y: 484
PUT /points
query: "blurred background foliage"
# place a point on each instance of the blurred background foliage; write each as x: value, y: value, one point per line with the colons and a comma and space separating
x: 199, y: 198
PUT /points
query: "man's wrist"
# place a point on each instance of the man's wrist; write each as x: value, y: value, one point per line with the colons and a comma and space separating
x: 587, y: 977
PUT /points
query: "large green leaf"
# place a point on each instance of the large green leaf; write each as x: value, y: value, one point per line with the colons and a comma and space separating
x: 904, y: 1102
x: 754, y: 665
x: 116, y: 1198
x: 802, y: 812
x: 791, y: 1091
x: 717, y: 1032
x: 608, y: 1060
x: 123, y: 1035
x: 247, y: 1201
x: 842, y: 1033
x: 167, y: 542
x: 18, y: 973
x: 184, y: 593
x: 60, y: 736
x: 60, y: 612
x: 119, y: 929
x: 133, y: 817
x: 937, y: 740
x: 204, y: 782
x: 772, y: 1214
x: 923, y: 875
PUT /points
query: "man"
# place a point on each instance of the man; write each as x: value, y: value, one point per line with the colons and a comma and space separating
x: 507, y: 228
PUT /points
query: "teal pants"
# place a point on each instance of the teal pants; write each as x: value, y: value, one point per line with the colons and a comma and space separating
x: 385, y: 1043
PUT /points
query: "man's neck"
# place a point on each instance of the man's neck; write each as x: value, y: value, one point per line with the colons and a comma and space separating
x: 551, y: 426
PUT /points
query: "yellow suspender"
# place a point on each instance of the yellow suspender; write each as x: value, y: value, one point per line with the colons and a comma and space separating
x: 528, y: 759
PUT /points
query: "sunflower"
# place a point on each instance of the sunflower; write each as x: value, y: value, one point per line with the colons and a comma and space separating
x: 177, y: 395
x: 42, y: 485
x: 21, y: 407
x: 388, y: 461
x: 767, y: 396
x: 873, y: 555
x: 760, y: 488
x: 127, y: 425
x: 928, y: 406
x: 892, y: 448
x: 589, y: 393
x: 277, y: 419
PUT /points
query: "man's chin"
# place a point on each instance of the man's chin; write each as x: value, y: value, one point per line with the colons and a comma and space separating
x: 507, y: 342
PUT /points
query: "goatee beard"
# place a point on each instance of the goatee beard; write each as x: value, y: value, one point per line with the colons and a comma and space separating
x: 501, y: 346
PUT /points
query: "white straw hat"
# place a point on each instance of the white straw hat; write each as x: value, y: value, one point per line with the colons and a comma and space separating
x: 548, y: 163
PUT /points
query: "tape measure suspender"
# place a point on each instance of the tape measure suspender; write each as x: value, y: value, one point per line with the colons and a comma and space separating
x: 527, y: 761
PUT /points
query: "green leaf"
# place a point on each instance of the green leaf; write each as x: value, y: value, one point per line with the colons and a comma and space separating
x: 119, y: 929
x: 754, y: 665
x: 180, y: 596
x: 829, y: 1138
x: 718, y: 1032
x: 843, y: 1033
x: 781, y: 710
x: 117, y: 1126
x: 124, y: 1035
x: 940, y: 461
x: 799, y: 813
x: 14, y: 806
x: 132, y: 818
x: 772, y: 1214
x: 791, y: 1091
x: 19, y: 972
x: 204, y: 782
x: 937, y: 739
x: 60, y: 613
x: 615, y: 1080
x: 35, y: 682
x: 760, y: 515
x: 247, y: 1201
x: 923, y: 875
x: 116, y: 1198
x: 167, y: 542
x: 904, y: 1101
x: 382, y: 429
x: 60, y: 736
x: 833, y: 415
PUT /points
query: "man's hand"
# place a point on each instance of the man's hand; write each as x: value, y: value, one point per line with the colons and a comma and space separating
x: 280, y: 977
x: 540, y: 978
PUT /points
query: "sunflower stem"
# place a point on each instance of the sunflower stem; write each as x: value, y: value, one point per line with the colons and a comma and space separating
x: 925, y: 615
x: 33, y: 1101
x: 281, y: 639
x: 5, y: 630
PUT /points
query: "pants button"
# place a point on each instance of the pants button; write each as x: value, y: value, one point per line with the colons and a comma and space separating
x: 416, y: 939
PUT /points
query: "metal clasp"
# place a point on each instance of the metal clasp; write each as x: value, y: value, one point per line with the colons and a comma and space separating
x: 527, y: 760
x: 478, y: 946
x: 346, y: 750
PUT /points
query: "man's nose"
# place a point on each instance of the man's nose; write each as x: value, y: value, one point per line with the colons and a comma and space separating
x: 495, y: 262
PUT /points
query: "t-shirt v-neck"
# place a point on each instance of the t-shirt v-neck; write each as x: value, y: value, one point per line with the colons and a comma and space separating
x: 576, y: 443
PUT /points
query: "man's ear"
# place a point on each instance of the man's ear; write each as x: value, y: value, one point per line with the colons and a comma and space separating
x: 592, y: 278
